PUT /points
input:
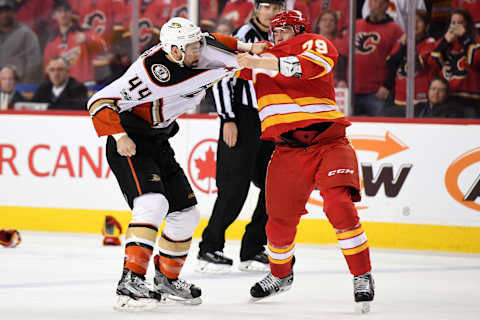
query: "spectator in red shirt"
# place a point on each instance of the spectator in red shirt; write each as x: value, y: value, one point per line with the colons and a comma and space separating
x: 76, y: 45
x: 374, y: 40
x: 457, y: 59
x: 340, y: 7
x: 327, y: 26
x: 397, y: 69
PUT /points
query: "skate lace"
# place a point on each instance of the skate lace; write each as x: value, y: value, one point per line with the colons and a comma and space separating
x: 269, y: 282
x: 362, y: 283
x: 220, y: 253
x: 181, y: 284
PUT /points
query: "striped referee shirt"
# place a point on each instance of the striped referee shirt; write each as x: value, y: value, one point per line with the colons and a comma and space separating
x: 231, y: 91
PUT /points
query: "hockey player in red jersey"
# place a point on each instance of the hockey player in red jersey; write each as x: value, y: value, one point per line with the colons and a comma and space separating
x: 138, y: 112
x: 296, y: 103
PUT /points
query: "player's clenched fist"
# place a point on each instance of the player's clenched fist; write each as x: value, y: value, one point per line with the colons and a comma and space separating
x: 126, y: 147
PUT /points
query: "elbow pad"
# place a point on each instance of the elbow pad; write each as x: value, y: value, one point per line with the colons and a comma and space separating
x: 290, y: 66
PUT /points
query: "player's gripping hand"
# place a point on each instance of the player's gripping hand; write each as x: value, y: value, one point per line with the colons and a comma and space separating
x: 259, y: 47
x: 126, y: 147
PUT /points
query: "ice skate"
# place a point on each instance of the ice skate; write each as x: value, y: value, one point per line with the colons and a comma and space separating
x: 259, y: 263
x: 363, y: 291
x: 270, y: 286
x: 134, y: 294
x: 213, y: 262
x: 176, y: 290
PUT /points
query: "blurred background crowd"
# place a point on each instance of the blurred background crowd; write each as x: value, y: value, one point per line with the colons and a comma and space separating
x: 54, y: 54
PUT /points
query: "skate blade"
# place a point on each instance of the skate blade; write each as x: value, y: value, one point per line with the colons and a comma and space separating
x: 253, y: 266
x: 171, y: 299
x: 208, y: 267
x: 253, y: 299
x: 362, y: 307
x: 127, y: 304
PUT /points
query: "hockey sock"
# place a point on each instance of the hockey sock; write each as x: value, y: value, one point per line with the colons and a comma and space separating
x: 172, y: 255
x: 343, y: 216
x: 280, y: 259
x: 355, y: 249
x: 140, y: 241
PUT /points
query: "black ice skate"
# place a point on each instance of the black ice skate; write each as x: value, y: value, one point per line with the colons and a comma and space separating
x: 258, y: 263
x: 363, y: 291
x: 177, y: 290
x: 213, y: 262
x: 270, y: 286
x: 134, y: 294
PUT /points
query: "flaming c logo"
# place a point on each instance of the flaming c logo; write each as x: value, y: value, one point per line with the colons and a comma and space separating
x: 451, y: 179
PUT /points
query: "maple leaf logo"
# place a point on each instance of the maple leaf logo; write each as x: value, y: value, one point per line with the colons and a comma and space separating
x: 202, y: 166
x: 208, y: 167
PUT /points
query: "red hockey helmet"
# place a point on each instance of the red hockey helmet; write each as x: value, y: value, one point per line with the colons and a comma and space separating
x: 292, y: 18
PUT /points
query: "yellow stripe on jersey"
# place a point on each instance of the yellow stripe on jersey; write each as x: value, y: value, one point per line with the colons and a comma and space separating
x: 283, y: 250
x: 299, y: 116
x: 281, y: 98
x: 349, y: 234
x: 350, y: 252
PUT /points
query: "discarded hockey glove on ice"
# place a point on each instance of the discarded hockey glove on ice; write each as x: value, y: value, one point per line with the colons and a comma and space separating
x: 111, y: 232
x: 10, y: 238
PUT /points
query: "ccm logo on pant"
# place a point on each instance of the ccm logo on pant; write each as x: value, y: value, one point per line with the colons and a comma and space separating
x: 340, y: 171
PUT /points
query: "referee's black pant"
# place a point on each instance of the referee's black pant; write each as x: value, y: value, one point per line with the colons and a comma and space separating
x: 246, y: 162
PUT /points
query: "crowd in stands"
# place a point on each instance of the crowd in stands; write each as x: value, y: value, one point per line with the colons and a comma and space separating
x: 57, y: 51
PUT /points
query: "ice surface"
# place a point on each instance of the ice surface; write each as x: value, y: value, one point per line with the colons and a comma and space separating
x: 72, y: 276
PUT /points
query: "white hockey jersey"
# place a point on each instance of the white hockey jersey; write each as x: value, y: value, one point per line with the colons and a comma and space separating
x: 159, y: 90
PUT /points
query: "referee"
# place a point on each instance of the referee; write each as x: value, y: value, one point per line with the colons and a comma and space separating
x: 241, y: 158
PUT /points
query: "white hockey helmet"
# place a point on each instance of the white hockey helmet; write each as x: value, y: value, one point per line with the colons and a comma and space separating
x: 179, y: 32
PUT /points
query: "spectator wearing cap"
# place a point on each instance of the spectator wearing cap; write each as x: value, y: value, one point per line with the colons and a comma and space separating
x: 19, y: 45
x: 437, y: 105
x: 61, y: 91
x: 70, y: 41
x: 9, y: 95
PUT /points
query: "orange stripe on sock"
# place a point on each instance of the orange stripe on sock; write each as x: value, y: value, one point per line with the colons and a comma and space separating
x: 134, y: 176
x: 137, y: 259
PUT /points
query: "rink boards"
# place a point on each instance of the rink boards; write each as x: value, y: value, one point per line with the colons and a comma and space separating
x: 420, y: 181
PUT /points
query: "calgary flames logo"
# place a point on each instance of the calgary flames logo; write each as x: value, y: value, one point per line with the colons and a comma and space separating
x: 202, y: 166
x: 366, y: 42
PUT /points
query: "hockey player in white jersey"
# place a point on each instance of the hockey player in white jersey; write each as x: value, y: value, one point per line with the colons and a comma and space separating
x: 137, y: 112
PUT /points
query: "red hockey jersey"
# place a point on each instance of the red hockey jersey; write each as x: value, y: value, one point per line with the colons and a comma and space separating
x: 460, y: 66
x: 373, y: 44
x: 79, y: 56
x: 237, y: 11
x: 152, y: 15
x: 288, y: 103
x: 423, y: 75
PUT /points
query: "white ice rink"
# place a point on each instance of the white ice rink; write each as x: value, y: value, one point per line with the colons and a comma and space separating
x: 71, y: 276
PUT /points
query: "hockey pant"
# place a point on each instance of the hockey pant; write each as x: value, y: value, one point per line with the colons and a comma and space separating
x: 292, y: 175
